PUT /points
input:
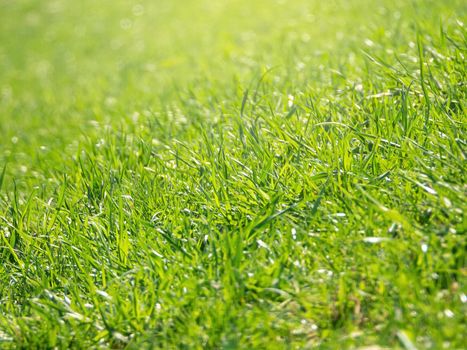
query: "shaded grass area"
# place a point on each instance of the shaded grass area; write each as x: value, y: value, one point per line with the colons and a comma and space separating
x: 229, y: 175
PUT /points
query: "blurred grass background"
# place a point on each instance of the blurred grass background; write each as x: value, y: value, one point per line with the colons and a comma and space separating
x: 64, y: 63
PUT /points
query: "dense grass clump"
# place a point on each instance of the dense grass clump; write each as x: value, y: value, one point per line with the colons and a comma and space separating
x: 232, y: 174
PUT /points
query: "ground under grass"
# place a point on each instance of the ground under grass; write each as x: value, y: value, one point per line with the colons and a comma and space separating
x: 232, y: 174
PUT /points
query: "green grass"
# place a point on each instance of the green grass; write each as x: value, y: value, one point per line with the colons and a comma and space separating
x: 233, y: 174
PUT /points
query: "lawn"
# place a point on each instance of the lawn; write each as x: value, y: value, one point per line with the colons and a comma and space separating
x: 233, y: 174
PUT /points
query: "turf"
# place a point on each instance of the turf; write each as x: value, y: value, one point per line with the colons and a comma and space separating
x: 232, y: 174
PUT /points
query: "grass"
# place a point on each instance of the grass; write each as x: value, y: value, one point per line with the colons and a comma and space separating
x: 232, y: 174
